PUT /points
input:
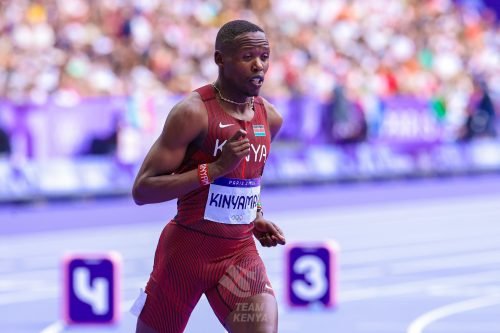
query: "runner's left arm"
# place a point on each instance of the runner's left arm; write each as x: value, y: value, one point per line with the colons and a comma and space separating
x: 267, y: 232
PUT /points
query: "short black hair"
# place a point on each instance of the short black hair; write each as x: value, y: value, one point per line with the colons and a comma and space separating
x: 229, y: 31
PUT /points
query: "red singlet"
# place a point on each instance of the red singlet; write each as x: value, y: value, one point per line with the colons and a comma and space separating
x: 196, y: 256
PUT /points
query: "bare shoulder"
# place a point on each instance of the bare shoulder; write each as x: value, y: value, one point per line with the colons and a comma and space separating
x: 190, y: 108
x: 271, y: 109
x: 187, y: 120
x: 274, y: 117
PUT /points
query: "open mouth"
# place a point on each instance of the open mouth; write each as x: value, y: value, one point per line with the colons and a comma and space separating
x: 257, y: 81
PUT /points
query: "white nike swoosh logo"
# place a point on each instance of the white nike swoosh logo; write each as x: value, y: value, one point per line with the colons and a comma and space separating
x: 221, y: 125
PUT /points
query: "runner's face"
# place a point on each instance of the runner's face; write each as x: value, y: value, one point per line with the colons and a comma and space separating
x: 247, y: 62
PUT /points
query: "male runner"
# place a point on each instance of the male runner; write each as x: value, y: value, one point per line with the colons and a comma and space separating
x: 211, y: 155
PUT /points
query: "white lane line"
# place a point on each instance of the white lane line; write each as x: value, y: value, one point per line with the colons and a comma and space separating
x: 442, y: 263
x: 58, y: 326
x: 420, y: 286
x: 29, y: 296
x: 405, y: 251
x: 465, y: 292
x: 20, y: 285
x: 419, y: 324
x: 32, y: 274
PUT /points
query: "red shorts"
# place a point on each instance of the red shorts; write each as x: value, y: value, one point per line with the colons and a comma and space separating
x: 188, y: 264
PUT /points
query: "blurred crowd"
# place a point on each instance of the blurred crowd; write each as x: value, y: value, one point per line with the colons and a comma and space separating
x: 433, y: 49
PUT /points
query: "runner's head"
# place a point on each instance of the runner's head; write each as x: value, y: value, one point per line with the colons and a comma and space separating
x: 242, y: 54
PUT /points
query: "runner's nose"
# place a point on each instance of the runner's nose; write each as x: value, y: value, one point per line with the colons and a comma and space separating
x: 257, y: 66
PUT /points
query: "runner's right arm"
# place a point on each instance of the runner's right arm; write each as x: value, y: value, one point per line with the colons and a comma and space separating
x: 185, y: 124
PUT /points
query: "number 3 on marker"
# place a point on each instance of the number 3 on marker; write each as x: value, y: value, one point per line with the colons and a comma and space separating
x: 315, y: 283
x: 310, y: 275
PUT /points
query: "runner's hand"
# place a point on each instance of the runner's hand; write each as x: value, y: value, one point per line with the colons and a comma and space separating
x: 234, y: 150
x: 268, y: 233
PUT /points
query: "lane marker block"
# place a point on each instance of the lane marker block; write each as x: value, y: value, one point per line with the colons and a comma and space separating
x: 311, y: 275
x: 91, y: 288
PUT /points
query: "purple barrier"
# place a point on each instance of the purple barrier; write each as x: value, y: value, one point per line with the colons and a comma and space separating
x: 90, y: 126
x: 400, y: 121
x: 95, y: 147
x: 408, y: 120
x: 52, y: 130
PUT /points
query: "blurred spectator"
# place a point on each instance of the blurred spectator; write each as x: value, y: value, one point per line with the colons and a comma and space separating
x: 103, y: 145
x: 347, y: 119
x: 71, y: 49
x: 5, y: 148
x: 481, y: 119
x: 106, y: 144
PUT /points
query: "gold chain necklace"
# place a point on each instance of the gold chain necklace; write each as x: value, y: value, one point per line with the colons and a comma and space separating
x: 233, y: 102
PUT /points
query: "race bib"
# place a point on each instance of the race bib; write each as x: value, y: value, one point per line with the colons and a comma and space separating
x: 233, y: 201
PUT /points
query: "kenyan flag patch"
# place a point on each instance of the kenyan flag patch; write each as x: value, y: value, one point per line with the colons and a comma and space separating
x: 259, y: 130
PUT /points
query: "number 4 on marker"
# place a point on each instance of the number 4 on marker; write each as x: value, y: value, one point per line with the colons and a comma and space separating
x: 91, y: 288
x: 96, y: 295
